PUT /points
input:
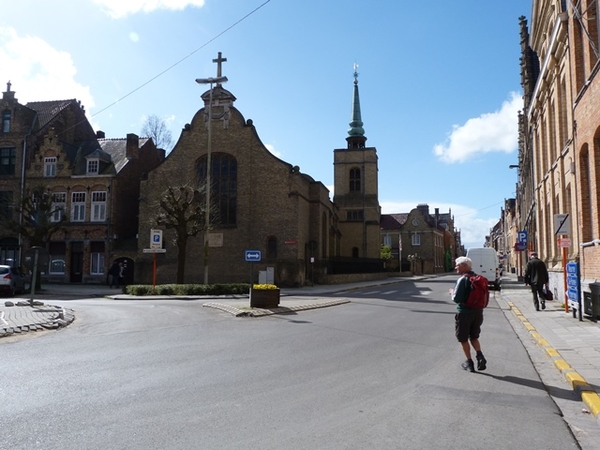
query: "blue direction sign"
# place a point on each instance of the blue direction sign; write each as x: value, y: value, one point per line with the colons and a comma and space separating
x: 573, y: 284
x: 253, y: 255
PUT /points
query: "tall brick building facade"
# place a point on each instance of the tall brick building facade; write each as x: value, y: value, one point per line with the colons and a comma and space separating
x: 559, y: 142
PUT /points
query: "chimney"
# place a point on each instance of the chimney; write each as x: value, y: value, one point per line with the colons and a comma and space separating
x: 100, y: 134
x: 133, y: 145
x: 424, y: 209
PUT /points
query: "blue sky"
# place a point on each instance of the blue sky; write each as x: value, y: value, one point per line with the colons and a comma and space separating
x: 439, y: 86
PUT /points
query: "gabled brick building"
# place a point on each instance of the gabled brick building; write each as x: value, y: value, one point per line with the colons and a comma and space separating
x: 421, y: 242
x: 92, y: 183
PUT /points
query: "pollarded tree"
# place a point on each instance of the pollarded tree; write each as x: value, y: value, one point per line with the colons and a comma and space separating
x: 181, y: 210
x: 39, y: 215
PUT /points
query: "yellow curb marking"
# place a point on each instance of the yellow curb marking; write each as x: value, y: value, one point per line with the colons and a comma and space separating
x: 577, y: 381
x: 543, y: 342
x: 562, y: 365
x: 592, y: 400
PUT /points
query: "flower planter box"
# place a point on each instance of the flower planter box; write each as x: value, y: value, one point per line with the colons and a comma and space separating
x: 264, y: 298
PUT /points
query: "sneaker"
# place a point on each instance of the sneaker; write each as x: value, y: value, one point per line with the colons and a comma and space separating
x: 481, y: 362
x: 543, y: 305
x: 468, y: 365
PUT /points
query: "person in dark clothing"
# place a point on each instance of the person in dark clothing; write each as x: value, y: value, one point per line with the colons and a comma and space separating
x: 113, y: 274
x: 467, y: 321
x: 536, y: 276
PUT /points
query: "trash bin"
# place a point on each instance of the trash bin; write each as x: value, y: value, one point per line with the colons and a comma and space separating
x: 594, y: 307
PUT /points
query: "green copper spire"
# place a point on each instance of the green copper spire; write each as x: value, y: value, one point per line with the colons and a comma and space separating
x: 356, y: 125
x: 356, y: 134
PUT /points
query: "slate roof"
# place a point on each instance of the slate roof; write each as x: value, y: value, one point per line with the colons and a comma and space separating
x: 392, y: 221
x: 117, y: 149
x: 48, y: 110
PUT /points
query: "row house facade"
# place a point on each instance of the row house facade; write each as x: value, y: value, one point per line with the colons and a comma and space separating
x: 90, y: 184
x: 559, y: 138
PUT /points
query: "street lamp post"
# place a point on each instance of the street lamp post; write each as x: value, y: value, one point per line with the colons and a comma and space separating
x: 210, y: 81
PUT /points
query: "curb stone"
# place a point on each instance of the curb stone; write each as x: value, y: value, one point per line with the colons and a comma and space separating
x: 588, y: 395
x: 260, y: 312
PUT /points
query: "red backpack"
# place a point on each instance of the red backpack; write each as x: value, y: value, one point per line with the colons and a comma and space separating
x: 479, y: 293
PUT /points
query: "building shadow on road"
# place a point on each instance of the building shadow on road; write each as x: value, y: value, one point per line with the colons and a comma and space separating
x: 565, y: 394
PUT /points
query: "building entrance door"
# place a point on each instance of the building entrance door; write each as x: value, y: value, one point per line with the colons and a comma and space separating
x: 76, y: 262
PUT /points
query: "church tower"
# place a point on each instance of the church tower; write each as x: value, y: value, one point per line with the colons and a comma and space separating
x: 356, y: 189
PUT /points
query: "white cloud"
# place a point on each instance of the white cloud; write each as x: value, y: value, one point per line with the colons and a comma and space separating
x: 38, y: 71
x: 472, y: 229
x: 118, y: 9
x: 490, y: 132
x: 134, y: 37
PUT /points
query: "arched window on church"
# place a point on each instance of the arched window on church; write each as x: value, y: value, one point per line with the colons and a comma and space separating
x: 223, y: 187
x: 355, y: 180
x: 6, y: 121
x: 272, y: 247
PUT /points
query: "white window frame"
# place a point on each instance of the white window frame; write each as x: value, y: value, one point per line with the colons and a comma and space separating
x: 97, y: 263
x: 78, y: 206
x: 50, y: 166
x: 59, y: 206
x: 98, y: 212
x: 387, y: 240
x: 93, y: 166
x: 416, y: 239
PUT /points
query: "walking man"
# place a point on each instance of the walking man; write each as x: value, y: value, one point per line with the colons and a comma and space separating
x: 536, y: 276
x: 468, y: 321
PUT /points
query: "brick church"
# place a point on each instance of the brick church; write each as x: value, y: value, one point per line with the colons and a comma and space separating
x: 259, y: 202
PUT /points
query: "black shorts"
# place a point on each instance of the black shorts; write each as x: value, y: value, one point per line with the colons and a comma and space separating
x: 467, y: 325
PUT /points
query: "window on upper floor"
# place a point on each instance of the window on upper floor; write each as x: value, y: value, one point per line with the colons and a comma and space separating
x: 6, y: 121
x: 92, y: 166
x: 355, y: 215
x: 50, y: 166
x: 59, y: 206
x: 223, y: 198
x: 355, y: 180
x: 98, y: 206
x: 7, y: 160
x: 77, y: 206
x: 416, y: 239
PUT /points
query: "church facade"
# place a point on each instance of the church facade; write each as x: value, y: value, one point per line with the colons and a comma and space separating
x: 259, y: 204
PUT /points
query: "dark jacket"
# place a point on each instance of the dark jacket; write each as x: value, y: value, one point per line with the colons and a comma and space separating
x: 536, y: 272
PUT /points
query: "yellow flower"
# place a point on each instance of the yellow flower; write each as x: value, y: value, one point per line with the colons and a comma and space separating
x: 264, y: 287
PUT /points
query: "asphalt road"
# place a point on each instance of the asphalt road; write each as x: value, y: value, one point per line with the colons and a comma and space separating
x: 381, y: 372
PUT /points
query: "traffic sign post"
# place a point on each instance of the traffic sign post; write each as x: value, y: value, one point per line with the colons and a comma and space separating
x: 252, y: 256
x: 155, y: 251
x: 573, y: 295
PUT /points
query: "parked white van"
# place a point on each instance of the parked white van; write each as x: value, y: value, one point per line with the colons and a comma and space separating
x: 485, y: 262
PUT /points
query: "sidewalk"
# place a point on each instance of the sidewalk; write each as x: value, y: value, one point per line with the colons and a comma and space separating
x: 572, y: 345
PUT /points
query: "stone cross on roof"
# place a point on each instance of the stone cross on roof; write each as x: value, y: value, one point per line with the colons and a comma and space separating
x: 219, y: 61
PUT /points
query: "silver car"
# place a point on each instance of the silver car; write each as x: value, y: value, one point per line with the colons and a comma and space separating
x: 12, y: 280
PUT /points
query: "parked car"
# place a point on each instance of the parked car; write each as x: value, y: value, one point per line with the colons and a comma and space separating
x: 12, y: 280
